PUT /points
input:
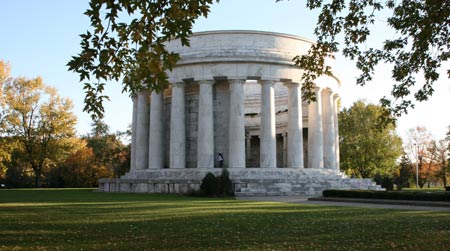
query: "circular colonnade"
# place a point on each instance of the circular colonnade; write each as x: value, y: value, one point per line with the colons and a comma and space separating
x: 235, y: 101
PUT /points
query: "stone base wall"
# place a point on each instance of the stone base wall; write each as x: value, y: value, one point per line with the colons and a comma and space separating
x: 247, y: 182
x: 146, y: 186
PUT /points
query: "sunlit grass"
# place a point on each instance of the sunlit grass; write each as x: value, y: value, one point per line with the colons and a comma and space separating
x: 79, y: 219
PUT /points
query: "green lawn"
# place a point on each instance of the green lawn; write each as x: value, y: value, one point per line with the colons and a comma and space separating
x: 79, y: 219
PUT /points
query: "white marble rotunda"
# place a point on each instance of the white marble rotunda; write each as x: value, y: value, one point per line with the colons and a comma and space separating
x: 235, y: 102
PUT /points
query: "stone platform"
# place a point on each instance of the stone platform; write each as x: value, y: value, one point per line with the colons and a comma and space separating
x: 246, y: 182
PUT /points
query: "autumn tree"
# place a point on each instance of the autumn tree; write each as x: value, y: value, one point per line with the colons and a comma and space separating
x: 38, y: 120
x: 81, y: 169
x: 422, y: 150
x: 108, y: 149
x: 4, y: 142
x: 442, y: 152
x: 366, y: 149
x: 127, y: 37
x: 430, y: 165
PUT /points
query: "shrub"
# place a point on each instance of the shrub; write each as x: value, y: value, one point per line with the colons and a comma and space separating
x: 447, y: 188
x: 225, y: 186
x: 216, y: 186
x: 384, y: 181
x: 395, y: 195
x: 209, y: 185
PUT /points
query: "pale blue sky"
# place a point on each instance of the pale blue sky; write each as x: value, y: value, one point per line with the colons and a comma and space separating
x: 39, y: 37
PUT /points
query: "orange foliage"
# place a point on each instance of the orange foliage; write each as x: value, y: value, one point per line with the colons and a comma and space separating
x: 81, y: 169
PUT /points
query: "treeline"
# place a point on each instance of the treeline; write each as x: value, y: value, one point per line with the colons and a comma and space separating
x: 427, y: 156
x: 88, y: 158
x: 38, y: 142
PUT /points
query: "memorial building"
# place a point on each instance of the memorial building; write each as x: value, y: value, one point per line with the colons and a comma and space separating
x: 235, y: 102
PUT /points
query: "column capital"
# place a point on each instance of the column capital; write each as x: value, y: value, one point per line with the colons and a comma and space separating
x: 158, y: 92
x: 178, y: 84
x: 336, y: 96
x: 237, y: 81
x: 267, y: 82
x: 206, y: 82
x: 144, y: 92
x: 328, y: 91
x: 318, y: 91
x: 291, y: 84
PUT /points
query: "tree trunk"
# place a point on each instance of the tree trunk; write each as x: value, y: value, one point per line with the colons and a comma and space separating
x: 37, y: 174
x: 444, y: 173
x: 38, y: 180
x: 444, y: 179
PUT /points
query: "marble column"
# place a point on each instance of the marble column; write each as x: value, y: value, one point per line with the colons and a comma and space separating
x: 156, y: 140
x: 236, y: 126
x: 133, y: 133
x: 295, y: 127
x: 142, y: 129
x: 285, y: 149
x: 336, y: 128
x: 177, y: 127
x: 329, y: 138
x: 205, y: 144
x: 315, y: 136
x: 268, y: 145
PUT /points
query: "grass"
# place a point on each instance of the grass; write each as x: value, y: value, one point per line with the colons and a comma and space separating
x: 79, y: 219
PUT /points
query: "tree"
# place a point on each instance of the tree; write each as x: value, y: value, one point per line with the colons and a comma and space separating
x: 365, y: 149
x: 4, y: 142
x: 39, y: 120
x: 446, y: 170
x: 424, y: 151
x: 109, y: 151
x: 441, y: 150
x: 81, y: 169
x: 127, y: 40
x: 404, y: 172
x: 419, y: 46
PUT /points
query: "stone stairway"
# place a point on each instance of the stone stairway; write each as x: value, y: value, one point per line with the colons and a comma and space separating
x: 309, y: 186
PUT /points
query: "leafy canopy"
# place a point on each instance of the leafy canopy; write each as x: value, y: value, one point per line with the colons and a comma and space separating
x: 127, y: 41
x: 37, y: 120
x: 365, y: 148
x: 419, y: 46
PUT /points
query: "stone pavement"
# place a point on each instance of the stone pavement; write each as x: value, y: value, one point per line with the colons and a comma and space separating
x: 379, y: 204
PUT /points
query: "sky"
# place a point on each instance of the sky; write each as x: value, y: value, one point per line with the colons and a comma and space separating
x: 38, y: 38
